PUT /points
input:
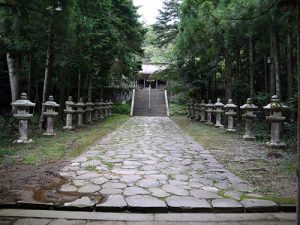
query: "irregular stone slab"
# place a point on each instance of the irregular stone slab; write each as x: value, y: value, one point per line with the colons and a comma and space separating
x: 113, y: 203
x: 111, y: 185
x: 158, y: 192
x: 147, y: 183
x: 68, y: 188
x: 146, y: 203
x: 110, y: 191
x: 234, y: 194
x: 227, y: 206
x: 89, y: 188
x: 175, y: 190
x: 259, y: 205
x: 130, y: 178
x: 135, y: 191
x: 204, y: 194
x: 79, y: 183
x: 211, y: 189
x: 88, y: 175
x: 177, y: 183
x: 124, y: 171
x: 99, y: 181
x: 82, y: 203
x: 188, y: 204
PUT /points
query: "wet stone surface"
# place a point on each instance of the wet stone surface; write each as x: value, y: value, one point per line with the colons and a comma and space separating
x: 149, y: 164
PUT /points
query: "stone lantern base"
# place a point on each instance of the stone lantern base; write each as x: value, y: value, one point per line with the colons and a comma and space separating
x: 275, y: 145
x: 231, y: 130
x: 28, y: 141
x: 249, y: 137
x: 68, y: 128
x: 49, y: 134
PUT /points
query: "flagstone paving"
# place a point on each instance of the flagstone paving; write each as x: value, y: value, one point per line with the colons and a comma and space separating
x: 149, y: 164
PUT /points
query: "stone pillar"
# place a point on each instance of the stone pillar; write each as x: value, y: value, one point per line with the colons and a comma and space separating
x: 230, y: 113
x: 197, y: 111
x: 101, y: 107
x: 69, y: 111
x: 249, y: 116
x: 22, y: 107
x: 188, y: 109
x: 50, y: 113
x: 275, y: 118
x: 202, y: 111
x: 209, y: 110
x: 218, y: 110
x: 192, y: 106
x: 96, y: 111
x: 110, y: 104
x: 80, y: 111
x: 106, y: 106
x: 89, y: 110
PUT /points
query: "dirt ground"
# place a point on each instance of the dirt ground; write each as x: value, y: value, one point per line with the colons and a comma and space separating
x: 17, y: 178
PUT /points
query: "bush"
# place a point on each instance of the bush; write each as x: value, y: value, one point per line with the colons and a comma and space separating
x: 123, y: 109
x: 177, y: 109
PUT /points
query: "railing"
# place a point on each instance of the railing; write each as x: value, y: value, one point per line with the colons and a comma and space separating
x: 167, y: 103
x: 132, y: 102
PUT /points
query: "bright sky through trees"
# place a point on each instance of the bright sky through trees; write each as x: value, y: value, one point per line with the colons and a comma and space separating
x: 148, y: 9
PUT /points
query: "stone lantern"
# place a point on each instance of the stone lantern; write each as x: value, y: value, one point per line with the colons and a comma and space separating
x: 202, y: 111
x: 230, y: 113
x: 209, y: 110
x: 106, y: 108
x: 80, y: 111
x: 89, y: 110
x: 188, y: 107
x: 23, y: 115
x: 69, y: 111
x: 101, y: 107
x: 218, y: 110
x: 197, y: 111
x: 249, y: 116
x: 50, y: 113
x: 275, y: 118
x: 110, y: 107
x: 96, y: 110
x: 192, y: 109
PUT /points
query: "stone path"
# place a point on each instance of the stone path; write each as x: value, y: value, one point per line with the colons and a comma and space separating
x: 150, y: 165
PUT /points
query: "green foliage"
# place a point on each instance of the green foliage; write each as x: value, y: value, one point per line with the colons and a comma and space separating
x: 177, y: 109
x: 123, y: 109
x: 166, y: 27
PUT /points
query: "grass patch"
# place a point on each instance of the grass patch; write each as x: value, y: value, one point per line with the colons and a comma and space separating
x: 90, y: 168
x: 66, y: 144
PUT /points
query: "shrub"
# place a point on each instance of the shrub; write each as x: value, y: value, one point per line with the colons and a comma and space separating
x: 123, y: 109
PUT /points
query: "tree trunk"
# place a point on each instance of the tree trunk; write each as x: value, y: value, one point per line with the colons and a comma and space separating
x: 298, y: 121
x: 228, y: 73
x: 61, y: 93
x: 266, y: 73
x: 276, y: 63
x: 13, y: 80
x: 31, y: 78
x: 79, y: 86
x: 90, y: 88
x: 48, y: 72
x: 289, y: 61
x: 272, y: 78
x: 251, y: 68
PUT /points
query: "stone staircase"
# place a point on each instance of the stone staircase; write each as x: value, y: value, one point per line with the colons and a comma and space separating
x: 141, y: 103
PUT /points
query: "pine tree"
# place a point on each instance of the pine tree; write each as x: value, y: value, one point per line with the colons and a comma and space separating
x: 166, y: 26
